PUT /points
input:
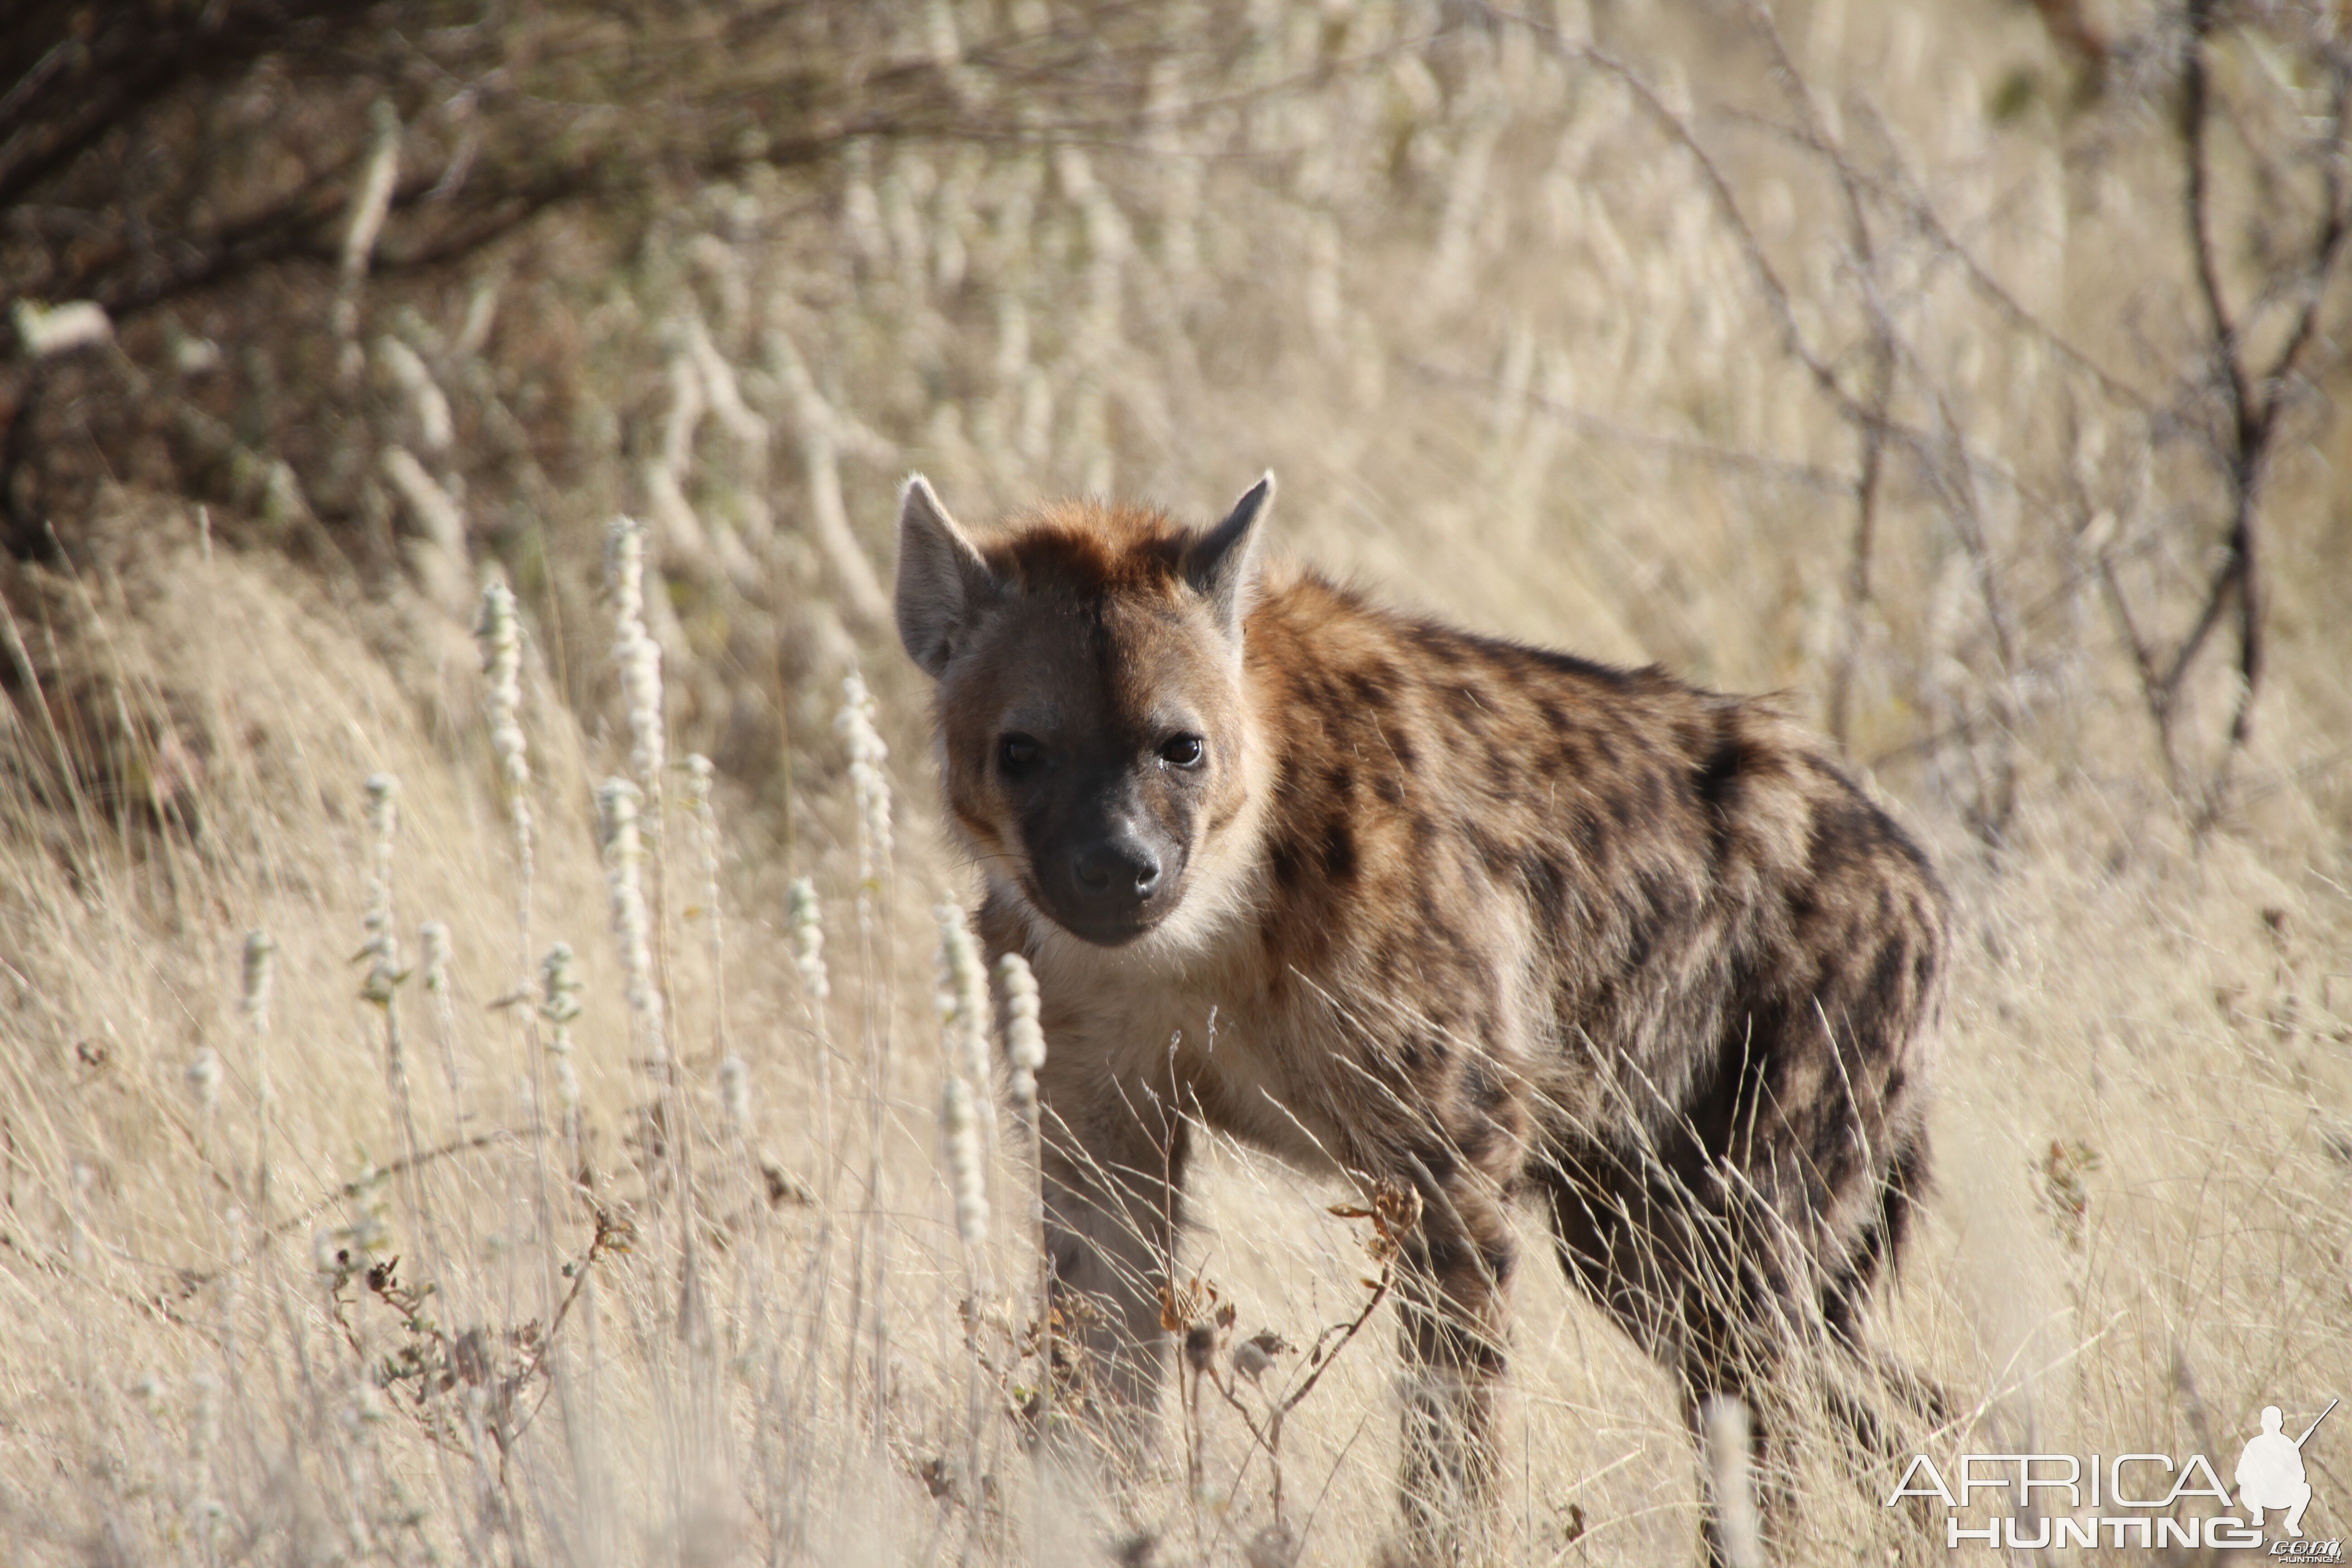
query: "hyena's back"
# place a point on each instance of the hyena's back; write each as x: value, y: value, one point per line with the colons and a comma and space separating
x: 1646, y: 942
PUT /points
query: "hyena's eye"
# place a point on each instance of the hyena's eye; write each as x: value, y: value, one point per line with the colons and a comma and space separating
x: 1182, y: 751
x: 1018, y: 755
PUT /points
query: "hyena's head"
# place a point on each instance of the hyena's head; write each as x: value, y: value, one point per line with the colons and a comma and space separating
x: 1090, y: 702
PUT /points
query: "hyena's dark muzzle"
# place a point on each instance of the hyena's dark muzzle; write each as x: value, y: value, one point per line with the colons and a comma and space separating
x: 1107, y: 872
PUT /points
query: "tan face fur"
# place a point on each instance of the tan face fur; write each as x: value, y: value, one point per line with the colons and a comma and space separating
x: 1094, y: 739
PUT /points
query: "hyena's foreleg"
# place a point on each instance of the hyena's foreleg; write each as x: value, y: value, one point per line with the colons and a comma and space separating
x: 1452, y: 1300
x: 1113, y: 1177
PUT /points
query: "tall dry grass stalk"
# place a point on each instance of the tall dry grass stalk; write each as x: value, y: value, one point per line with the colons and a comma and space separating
x: 1725, y: 1441
x: 500, y: 635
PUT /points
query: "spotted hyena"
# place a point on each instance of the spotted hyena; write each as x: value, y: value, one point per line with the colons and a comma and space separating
x: 1399, y: 901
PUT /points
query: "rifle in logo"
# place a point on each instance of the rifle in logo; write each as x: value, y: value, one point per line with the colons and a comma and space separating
x: 2270, y: 1470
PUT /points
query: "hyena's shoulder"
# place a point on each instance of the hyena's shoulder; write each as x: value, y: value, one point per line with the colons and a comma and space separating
x: 1419, y: 770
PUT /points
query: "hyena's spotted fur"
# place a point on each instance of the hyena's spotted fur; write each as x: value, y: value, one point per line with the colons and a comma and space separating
x: 1395, y: 900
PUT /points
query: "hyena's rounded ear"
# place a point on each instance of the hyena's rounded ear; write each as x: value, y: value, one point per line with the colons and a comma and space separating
x: 1222, y: 565
x: 942, y: 578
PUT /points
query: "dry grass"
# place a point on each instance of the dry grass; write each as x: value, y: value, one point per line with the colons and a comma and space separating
x: 1513, y: 362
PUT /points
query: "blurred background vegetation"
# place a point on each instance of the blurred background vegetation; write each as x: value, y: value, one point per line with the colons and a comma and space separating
x: 1972, y: 406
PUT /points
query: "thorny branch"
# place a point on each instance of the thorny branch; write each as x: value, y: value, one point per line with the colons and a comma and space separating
x: 434, y: 1363
x: 1996, y: 798
x: 2253, y: 396
x: 1878, y: 394
x: 2253, y: 400
x: 190, y: 1280
x: 1870, y: 411
x: 1901, y: 193
x: 1395, y: 1213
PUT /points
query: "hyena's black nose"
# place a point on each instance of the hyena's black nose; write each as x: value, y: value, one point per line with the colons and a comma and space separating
x: 1118, y: 871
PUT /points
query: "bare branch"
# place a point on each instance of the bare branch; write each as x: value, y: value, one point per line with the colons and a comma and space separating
x: 2326, y: 246
x: 1878, y: 394
x: 2195, y: 111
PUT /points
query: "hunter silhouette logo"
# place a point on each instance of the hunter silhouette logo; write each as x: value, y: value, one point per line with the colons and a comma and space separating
x: 2143, y: 1500
x: 2270, y: 1472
